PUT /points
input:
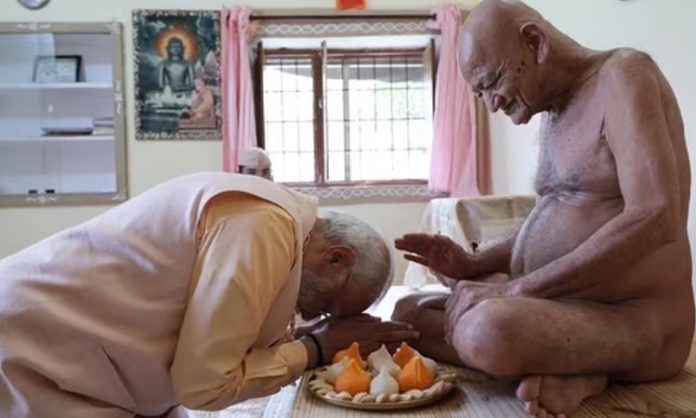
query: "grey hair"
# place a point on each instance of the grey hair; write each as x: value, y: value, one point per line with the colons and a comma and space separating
x: 373, y: 269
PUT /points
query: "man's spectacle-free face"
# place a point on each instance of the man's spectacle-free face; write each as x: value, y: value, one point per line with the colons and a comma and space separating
x: 505, y: 77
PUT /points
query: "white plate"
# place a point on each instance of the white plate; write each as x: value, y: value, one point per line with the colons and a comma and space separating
x: 425, y: 398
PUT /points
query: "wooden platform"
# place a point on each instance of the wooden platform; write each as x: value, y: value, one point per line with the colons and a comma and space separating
x: 479, y: 397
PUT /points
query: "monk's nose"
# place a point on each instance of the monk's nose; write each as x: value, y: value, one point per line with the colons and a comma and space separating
x: 497, y: 102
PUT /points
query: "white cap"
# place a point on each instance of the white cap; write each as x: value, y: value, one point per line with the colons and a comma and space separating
x: 256, y: 158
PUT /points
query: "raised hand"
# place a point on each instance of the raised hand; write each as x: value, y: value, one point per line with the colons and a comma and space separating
x: 439, y: 253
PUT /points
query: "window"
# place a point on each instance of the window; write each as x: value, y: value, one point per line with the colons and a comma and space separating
x: 289, y: 115
x: 344, y: 117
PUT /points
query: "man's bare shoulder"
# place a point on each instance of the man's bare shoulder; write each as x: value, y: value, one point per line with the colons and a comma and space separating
x: 629, y: 69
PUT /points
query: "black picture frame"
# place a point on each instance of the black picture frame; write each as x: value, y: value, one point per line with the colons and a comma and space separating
x: 73, y: 76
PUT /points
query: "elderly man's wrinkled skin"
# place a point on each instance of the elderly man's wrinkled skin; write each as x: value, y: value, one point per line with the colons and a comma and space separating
x: 600, y: 271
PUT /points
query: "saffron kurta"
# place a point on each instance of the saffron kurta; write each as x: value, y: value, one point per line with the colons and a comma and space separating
x: 181, y: 295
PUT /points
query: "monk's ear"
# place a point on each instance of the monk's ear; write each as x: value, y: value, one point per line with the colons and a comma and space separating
x: 536, y: 40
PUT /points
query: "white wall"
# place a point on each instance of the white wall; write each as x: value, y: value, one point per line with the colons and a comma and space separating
x: 514, y: 151
x: 151, y: 162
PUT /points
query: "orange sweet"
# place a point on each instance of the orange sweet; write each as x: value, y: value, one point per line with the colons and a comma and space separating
x: 403, y: 355
x: 353, y: 379
x: 352, y: 352
x: 415, y: 375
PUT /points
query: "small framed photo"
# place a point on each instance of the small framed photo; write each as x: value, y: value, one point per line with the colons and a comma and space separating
x: 57, y: 69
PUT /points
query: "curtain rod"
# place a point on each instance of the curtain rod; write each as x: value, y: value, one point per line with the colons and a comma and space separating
x: 345, y: 17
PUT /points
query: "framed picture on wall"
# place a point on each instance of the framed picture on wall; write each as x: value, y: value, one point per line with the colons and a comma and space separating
x: 176, y: 57
x: 57, y: 69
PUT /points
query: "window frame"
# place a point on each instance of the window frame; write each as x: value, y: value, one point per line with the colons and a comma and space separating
x: 318, y: 58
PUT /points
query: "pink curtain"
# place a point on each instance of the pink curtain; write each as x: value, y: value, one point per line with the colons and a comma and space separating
x: 453, y: 161
x: 238, y: 123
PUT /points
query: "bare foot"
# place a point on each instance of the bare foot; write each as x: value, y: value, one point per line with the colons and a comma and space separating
x: 558, y: 396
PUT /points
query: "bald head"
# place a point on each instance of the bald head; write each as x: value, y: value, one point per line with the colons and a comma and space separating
x: 509, y: 10
x: 503, y: 45
x: 494, y: 20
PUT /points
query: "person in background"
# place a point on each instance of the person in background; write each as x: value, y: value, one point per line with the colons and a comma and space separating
x: 256, y: 162
x: 185, y: 297
x: 202, y: 105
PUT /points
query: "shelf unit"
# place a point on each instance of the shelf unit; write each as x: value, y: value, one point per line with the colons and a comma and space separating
x: 61, y: 138
x: 40, y: 169
x: 57, y: 86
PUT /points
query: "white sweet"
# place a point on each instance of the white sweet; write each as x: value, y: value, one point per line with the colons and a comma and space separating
x: 384, y: 384
x: 333, y: 371
x: 380, y: 359
x: 378, y: 355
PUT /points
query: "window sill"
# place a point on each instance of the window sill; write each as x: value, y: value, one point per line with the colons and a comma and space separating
x: 368, y: 193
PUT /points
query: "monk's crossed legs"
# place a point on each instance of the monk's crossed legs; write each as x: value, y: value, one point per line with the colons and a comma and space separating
x: 563, y: 351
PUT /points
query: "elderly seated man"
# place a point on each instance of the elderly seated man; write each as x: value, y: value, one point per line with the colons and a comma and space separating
x: 596, y: 284
x: 184, y: 296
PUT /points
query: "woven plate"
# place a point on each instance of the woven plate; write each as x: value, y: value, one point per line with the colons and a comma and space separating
x: 425, y: 398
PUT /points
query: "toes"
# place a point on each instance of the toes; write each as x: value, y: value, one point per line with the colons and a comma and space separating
x: 529, y: 388
x: 531, y: 407
x: 543, y: 414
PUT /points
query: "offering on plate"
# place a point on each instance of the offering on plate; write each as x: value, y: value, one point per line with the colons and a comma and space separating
x: 333, y: 371
x: 384, y: 384
x: 353, y: 379
x: 352, y: 352
x: 404, y: 354
x: 381, y: 382
x: 415, y: 375
x: 381, y: 359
